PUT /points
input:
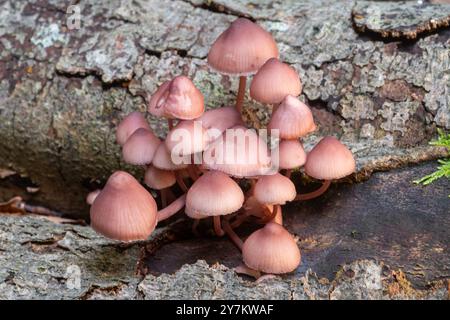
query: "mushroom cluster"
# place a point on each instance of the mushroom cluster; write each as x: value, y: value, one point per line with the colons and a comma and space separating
x: 226, y: 172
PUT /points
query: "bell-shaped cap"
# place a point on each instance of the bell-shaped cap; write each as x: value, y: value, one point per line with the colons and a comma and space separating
x: 329, y: 159
x: 213, y: 194
x: 291, y: 154
x: 242, y: 49
x: 159, y: 179
x: 163, y: 159
x: 124, y: 210
x: 140, y: 147
x: 292, y: 118
x: 239, y: 152
x: 186, y: 138
x: 216, y: 121
x: 274, y: 81
x: 271, y: 249
x: 274, y: 189
x: 129, y: 125
x: 178, y: 99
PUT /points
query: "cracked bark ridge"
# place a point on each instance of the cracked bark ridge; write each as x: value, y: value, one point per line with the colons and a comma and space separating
x: 62, y: 92
x: 44, y: 260
x: 400, y: 19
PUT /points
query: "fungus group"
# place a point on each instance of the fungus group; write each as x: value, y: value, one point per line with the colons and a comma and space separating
x: 222, y: 171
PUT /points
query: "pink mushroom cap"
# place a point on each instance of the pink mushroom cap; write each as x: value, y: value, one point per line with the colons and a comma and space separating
x: 274, y: 81
x: 292, y: 118
x: 242, y: 49
x: 274, y: 189
x: 178, y: 98
x: 140, y: 147
x: 271, y: 249
x: 159, y: 179
x: 129, y: 125
x: 213, y: 194
x: 124, y: 210
x: 329, y: 160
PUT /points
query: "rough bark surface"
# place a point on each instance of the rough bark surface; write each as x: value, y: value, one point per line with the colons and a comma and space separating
x: 63, y: 91
x: 44, y: 260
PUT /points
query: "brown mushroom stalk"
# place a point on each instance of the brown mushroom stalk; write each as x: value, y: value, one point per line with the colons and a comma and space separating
x: 218, y: 226
x: 232, y: 235
x: 172, y: 208
x: 170, y: 124
x: 311, y: 195
x: 241, y: 93
x: 181, y: 182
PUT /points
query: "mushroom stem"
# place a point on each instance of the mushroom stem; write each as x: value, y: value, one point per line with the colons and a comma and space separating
x: 243, y: 269
x: 239, y: 220
x: 180, y: 182
x: 170, y: 123
x: 307, y: 196
x: 218, y: 226
x: 241, y: 93
x: 163, y: 197
x: 232, y: 235
x: 39, y: 210
x: 195, y: 226
x: 192, y: 172
x: 172, y: 208
x: 272, y: 214
x: 288, y: 173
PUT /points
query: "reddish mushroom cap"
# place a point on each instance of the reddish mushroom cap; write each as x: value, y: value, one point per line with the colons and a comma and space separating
x: 216, y: 121
x: 159, y: 179
x: 213, y: 194
x: 329, y: 160
x: 271, y: 249
x: 124, y: 210
x: 158, y: 99
x: 274, y: 81
x: 291, y: 154
x: 242, y: 49
x: 239, y: 152
x: 274, y: 189
x: 91, y: 196
x: 186, y: 138
x: 163, y: 160
x: 140, y: 147
x: 293, y: 119
x: 178, y: 98
x: 129, y: 125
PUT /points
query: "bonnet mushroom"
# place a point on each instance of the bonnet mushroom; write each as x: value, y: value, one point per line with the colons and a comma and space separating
x: 178, y: 98
x: 271, y: 249
x: 328, y: 160
x: 212, y: 195
x: 274, y: 81
x: 291, y: 155
x: 124, y: 210
x: 160, y: 180
x: 140, y: 147
x: 240, y: 51
x: 129, y: 125
x: 292, y: 118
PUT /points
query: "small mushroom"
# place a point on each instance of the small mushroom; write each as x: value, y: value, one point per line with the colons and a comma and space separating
x: 162, y: 160
x: 216, y: 121
x: 271, y: 249
x: 328, y: 160
x: 275, y: 189
x: 186, y: 138
x: 239, y: 152
x: 129, y: 125
x: 124, y: 210
x: 160, y: 180
x: 292, y: 118
x: 274, y: 81
x: 178, y: 98
x: 214, y: 194
x: 240, y: 51
x: 91, y: 196
x: 291, y: 155
x: 140, y: 147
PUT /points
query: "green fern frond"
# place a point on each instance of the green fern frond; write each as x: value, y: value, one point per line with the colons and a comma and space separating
x: 442, y: 171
